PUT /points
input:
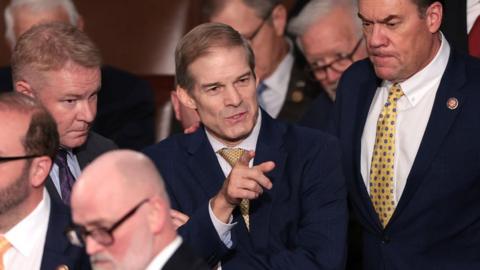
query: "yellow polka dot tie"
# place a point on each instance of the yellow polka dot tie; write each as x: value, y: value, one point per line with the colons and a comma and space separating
x: 232, y: 155
x: 381, y: 170
x: 4, y: 246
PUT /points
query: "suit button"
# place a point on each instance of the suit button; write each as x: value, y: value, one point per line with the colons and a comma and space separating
x: 385, y: 240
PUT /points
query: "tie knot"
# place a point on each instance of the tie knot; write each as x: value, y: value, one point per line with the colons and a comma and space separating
x: 4, y: 245
x: 61, y: 157
x: 231, y: 155
x: 395, y: 92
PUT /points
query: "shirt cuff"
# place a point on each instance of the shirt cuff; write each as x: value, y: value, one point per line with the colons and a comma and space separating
x: 223, y: 229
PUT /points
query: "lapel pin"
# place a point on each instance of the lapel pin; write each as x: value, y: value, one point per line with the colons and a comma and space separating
x: 62, y: 267
x: 297, y: 96
x: 452, y: 103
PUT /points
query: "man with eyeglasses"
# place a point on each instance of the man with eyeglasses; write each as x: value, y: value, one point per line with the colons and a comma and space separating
x: 330, y: 36
x: 31, y: 224
x: 124, y: 219
x: 285, y: 91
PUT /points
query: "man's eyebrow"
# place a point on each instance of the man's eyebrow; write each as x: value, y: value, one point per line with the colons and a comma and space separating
x: 244, y: 74
x: 385, y: 20
x: 208, y: 85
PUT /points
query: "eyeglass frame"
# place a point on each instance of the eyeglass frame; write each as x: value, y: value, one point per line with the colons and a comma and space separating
x: 259, y: 27
x: 7, y: 159
x: 77, y: 234
x: 314, y: 69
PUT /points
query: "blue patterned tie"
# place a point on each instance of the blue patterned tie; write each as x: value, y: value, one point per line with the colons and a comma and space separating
x: 260, y: 89
x: 65, y: 175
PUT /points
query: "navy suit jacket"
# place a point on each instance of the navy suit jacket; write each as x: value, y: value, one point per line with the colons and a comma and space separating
x: 299, y: 224
x: 57, y: 250
x: 436, y: 224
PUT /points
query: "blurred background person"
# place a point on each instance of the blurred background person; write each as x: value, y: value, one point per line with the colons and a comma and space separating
x: 124, y: 220
x: 461, y: 25
x: 284, y: 91
x: 125, y: 104
x: 329, y: 34
x: 31, y: 224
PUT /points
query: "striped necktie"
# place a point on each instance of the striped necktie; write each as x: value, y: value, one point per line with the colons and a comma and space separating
x: 4, y: 246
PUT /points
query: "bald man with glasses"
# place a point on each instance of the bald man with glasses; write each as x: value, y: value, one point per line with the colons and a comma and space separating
x: 124, y: 219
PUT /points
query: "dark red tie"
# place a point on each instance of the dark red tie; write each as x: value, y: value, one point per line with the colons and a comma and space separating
x: 65, y: 175
x: 474, y: 39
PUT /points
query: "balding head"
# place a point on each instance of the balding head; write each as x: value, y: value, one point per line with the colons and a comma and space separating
x: 112, y: 186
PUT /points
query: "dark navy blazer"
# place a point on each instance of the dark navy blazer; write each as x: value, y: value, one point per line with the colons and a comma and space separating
x: 299, y: 224
x: 436, y: 224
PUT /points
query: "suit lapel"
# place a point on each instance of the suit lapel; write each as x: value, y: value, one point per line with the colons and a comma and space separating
x: 369, y: 87
x: 438, y: 126
x: 203, y: 163
x: 269, y: 148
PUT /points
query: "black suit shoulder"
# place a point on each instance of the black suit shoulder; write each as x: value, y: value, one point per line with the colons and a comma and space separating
x: 184, y: 258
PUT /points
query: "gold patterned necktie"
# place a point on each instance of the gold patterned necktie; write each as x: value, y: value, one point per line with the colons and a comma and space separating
x: 4, y: 246
x: 232, y: 155
x: 382, y: 167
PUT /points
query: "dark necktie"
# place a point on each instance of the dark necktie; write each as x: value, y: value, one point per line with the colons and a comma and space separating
x: 65, y: 175
x: 474, y: 39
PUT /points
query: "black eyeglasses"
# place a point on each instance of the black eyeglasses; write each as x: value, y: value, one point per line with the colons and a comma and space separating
x: 77, y: 234
x: 340, y: 64
x: 6, y: 159
x: 257, y: 30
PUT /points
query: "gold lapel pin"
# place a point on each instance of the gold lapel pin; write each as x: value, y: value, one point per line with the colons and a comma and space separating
x: 452, y: 103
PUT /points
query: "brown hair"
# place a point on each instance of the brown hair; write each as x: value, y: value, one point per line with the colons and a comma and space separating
x: 262, y: 7
x: 42, y: 136
x: 199, y: 42
x: 51, y: 46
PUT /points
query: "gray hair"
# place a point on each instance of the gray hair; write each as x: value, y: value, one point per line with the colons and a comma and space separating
x: 262, y: 7
x: 317, y: 9
x: 37, y: 6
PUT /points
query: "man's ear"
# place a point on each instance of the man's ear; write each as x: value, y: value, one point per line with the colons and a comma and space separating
x: 158, y: 215
x: 185, y: 98
x: 279, y: 19
x: 40, y: 170
x: 434, y: 16
x: 24, y: 88
x: 175, y: 104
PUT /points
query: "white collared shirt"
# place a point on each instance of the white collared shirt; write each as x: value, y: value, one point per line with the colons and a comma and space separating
x: 473, y: 11
x: 28, y: 238
x: 74, y: 167
x: 413, y: 112
x: 275, y: 93
x: 162, y: 258
x: 250, y: 143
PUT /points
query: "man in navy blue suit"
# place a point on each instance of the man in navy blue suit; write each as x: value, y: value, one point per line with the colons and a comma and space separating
x: 408, y: 121
x: 250, y: 192
x: 31, y: 224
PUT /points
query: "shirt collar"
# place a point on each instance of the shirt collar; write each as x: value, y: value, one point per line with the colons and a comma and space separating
x: 278, y: 81
x: 248, y: 144
x: 417, y: 86
x: 21, y: 235
x: 162, y: 258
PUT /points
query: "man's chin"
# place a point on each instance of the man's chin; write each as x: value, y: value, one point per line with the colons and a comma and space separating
x: 76, y: 142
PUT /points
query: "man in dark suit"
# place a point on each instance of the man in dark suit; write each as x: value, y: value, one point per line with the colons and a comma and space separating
x: 124, y: 221
x: 407, y: 119
x: 31, y: 224
x: 125, y: 104
x: 286, y: 89
x: 250, y: 192
x: 66, y: 81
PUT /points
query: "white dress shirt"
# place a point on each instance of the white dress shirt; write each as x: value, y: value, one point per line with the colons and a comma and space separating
x: 74, y: 167
x: 413, y: 112
x: 28, y: 238
x: 275, y: 93
x: 473, y: 11
x: 161, y: 259
x: 223, y: 229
